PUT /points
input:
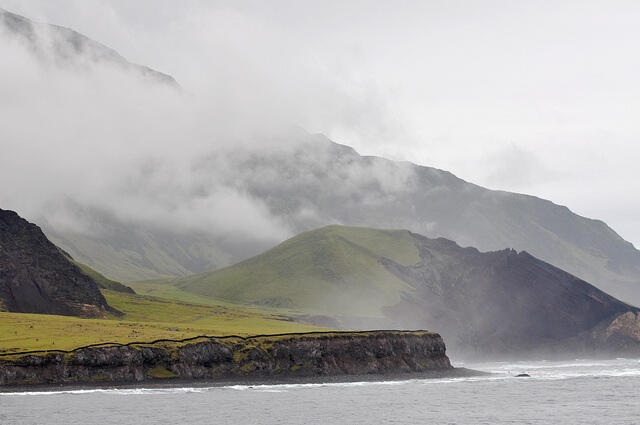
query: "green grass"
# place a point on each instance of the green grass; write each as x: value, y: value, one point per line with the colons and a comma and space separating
x: 332, y: 270
x: 101, y: 280
x: 145, y: 319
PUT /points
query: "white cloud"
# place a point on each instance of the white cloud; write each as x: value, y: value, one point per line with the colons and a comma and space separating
x: 455, y: 85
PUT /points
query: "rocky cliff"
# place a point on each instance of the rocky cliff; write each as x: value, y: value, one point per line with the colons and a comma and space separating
x: 495, y: 303
x: 235, y: 358
x: 35, y: 277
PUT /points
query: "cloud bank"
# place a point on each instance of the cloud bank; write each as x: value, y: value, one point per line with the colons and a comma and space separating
x: 504, y: 94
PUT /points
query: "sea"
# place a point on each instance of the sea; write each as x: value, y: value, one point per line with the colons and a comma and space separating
x: 557, y: 392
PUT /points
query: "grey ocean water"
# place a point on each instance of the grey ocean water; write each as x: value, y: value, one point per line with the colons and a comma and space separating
x: 570, y: 392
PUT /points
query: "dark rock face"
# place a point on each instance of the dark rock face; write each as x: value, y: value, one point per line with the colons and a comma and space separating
x: 503, y: 302
x: 35, y: 277
x: 330, y: 354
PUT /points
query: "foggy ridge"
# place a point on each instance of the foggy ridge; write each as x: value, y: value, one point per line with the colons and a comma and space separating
x: 64, y: 46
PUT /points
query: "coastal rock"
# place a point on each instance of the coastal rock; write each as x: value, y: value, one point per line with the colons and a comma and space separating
x: 228, y: 358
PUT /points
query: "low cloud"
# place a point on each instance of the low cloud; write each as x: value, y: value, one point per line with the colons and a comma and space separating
x: 503, y: 94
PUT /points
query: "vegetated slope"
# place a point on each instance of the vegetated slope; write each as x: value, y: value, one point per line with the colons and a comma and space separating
x: 65, y: 47
x: 135, y: 251
x: 314, y: 182
x: 491, y: 303
x: 142, y: 319
x: 334, y: 270
x: 99, y: 278
x: 35, y: 277
x: 324, y: 183
x: 102, y: 281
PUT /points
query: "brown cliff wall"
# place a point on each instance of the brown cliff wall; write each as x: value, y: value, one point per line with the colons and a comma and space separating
x: 283, y: 356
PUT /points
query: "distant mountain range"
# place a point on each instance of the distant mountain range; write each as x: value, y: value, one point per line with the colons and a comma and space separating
x: 319, y: 182
x: 37, y: 277
x: 494, y: 304
x: 316, y: 182
x: 66, y: 47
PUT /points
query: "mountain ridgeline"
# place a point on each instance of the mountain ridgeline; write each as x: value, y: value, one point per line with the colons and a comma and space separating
x: 494, y: 304
x: 66, y: 47
x: 316, y: 182
x: 36, y: 277
x: 306, y: 182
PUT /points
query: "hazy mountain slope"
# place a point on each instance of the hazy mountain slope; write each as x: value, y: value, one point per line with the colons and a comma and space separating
x: 103, y: 282
x: 331, y: 183
x: 66, y: 47
x: 35, y: 277
x: 127, y: 252
x: 307, y: 182
x: 490, y: 303
x: 315, y: 182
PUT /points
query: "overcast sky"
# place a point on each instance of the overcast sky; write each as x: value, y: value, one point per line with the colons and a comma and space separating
x: 539, y: 97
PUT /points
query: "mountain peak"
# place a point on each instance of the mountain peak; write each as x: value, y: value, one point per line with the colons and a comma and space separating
x: 65, y: 46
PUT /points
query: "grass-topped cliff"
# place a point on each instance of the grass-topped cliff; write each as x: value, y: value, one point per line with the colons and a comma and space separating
x: 266, y: 357
x: 44, y: 293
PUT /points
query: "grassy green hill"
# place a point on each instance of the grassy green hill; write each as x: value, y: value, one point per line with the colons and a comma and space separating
x: 332, y: 270
x: 362, y: 278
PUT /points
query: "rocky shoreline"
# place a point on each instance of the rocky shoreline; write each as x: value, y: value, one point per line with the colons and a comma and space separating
x: 174, y: 383
x: 304, y: 357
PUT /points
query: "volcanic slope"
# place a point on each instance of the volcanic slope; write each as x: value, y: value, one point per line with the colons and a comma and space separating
x: 491, y: 303
x: 315, y: 182
x: 36, y: 277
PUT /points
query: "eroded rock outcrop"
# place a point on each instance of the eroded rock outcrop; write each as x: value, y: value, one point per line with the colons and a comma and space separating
x: 35, y: 276
x: 293, y: 355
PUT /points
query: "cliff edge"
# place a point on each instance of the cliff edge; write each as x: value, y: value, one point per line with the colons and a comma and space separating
x: 307, y: 355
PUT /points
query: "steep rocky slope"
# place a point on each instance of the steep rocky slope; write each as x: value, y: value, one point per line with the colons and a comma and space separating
x: 494, y: 303
x: 35, y: 277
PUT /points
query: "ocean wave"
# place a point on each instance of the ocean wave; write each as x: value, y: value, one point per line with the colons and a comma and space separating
x: 500, y: 371
x: 117, y: 391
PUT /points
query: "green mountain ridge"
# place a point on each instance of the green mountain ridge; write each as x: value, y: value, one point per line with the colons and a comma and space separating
x: 338, y: 265
x: 491, y: 303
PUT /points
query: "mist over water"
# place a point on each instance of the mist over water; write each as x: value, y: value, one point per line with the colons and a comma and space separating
x: 575, y: 392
